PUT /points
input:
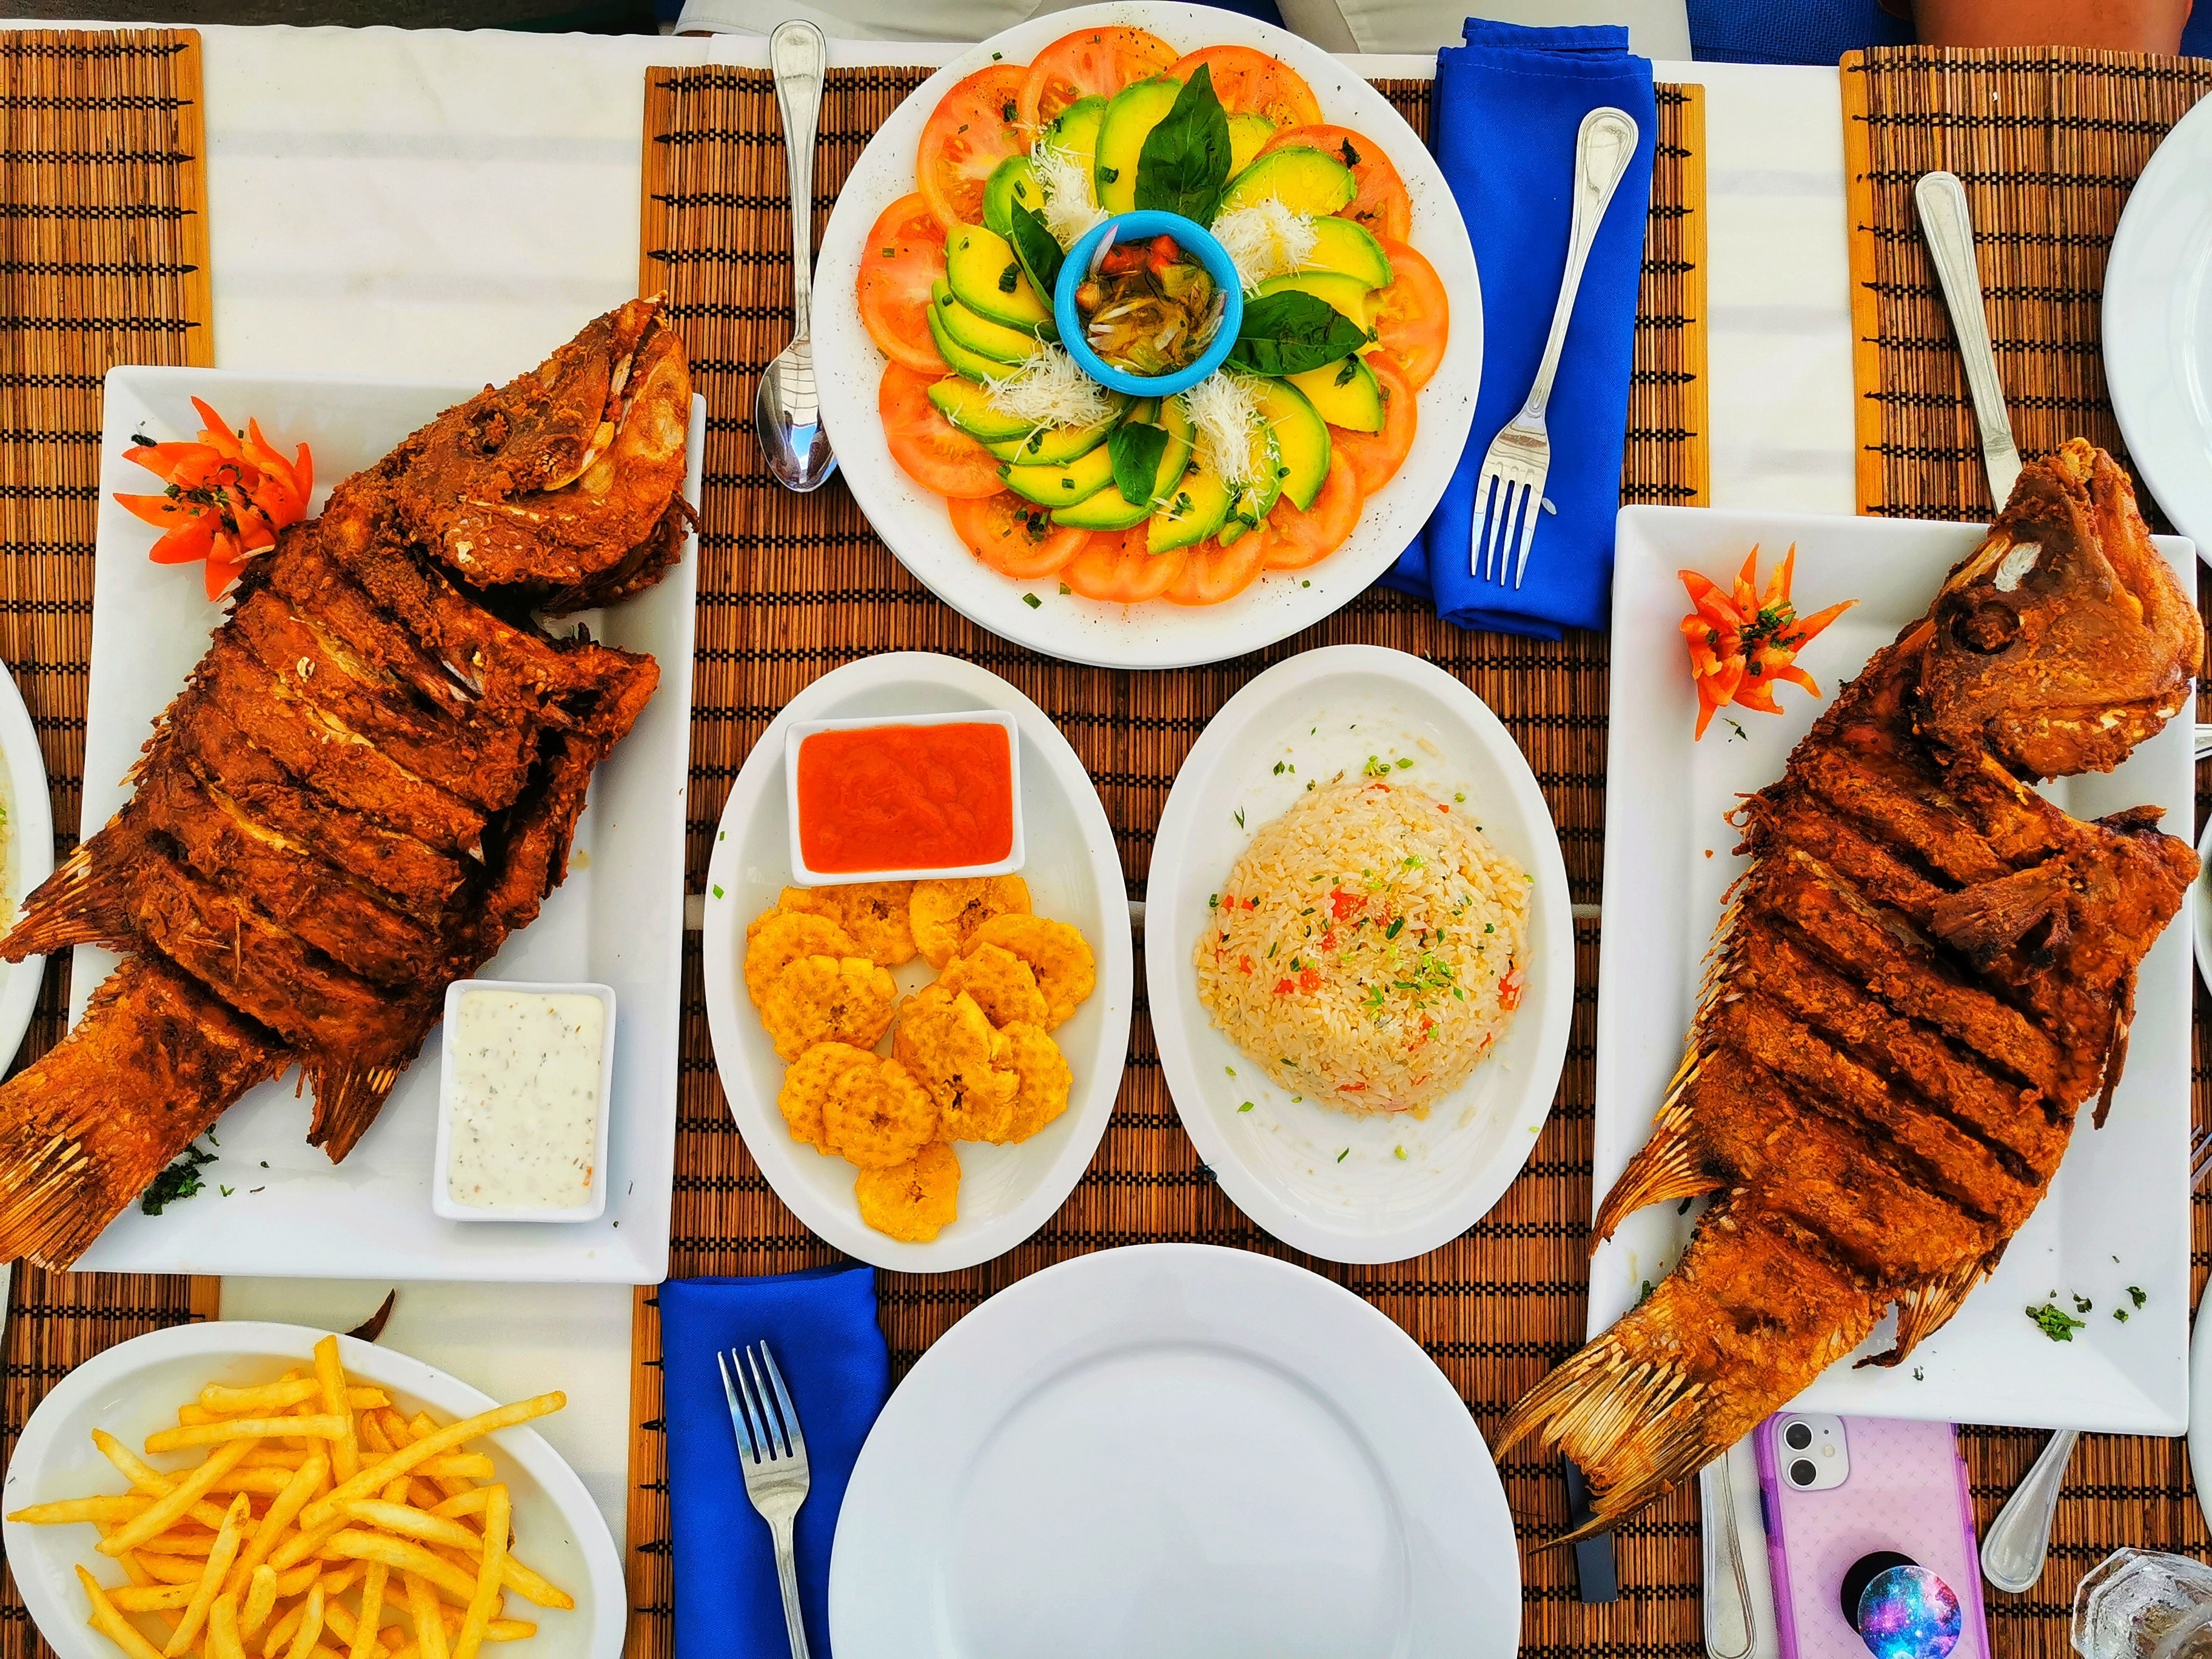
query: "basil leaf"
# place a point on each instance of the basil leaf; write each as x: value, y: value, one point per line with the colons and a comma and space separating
x: 1184, y: 162
x: 1289, y: 332
x: 1038, y: 250
x: 1135, y: 448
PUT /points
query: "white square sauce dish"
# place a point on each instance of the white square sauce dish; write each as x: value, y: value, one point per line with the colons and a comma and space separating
x: 524, y: 1084
x: 925, y: 789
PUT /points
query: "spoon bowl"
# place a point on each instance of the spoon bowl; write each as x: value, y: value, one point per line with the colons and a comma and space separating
x: 787, y: 421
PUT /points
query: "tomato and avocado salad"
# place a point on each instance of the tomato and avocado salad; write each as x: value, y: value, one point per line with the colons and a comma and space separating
x: 1263, y: 467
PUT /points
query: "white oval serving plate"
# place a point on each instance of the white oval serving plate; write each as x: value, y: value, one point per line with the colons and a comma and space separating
x: 1075, y: 875
x: 1179, y: 1451
x: 136, y: 1386
x: 27, y: 859
x: 1324, y: 1181
x: 913, y: 520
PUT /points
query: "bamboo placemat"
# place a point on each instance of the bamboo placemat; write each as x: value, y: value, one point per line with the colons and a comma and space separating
x: 2048, y: 145
x: 103, y: 260
x: 793, y: 585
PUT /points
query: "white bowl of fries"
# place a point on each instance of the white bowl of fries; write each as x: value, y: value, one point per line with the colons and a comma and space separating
x: 160, y: 1473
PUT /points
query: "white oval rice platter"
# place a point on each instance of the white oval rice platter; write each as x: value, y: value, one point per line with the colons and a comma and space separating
x: 1344, y: 1187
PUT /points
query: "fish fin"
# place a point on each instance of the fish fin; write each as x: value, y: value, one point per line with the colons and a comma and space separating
x: 1926, y: 1309
x: 2115, y: 1053
x: 349, y: 1095
x: 85, y: 901
x: 1668, y: 1166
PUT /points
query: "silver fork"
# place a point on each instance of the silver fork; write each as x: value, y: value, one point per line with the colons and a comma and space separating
x: 1519, y: 457
x: 773, y: 1454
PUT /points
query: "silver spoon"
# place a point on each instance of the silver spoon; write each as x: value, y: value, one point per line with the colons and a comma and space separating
x: 2013, y: 1551
x: 786, y: 414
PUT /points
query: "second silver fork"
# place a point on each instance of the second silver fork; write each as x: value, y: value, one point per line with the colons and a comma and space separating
x: 772, y: 1452
x: 1510, y: 485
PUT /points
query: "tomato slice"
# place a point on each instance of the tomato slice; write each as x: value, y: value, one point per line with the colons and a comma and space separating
x: 1296, y: 539
x: 1090, y: 61
x: 1015, y: 537
x: 976, y: 126
x: 935, y: 452
x: 1381, y: 203
x: 1249, y: 82
x: 904, y: 254
x: 1376, y: 457
x: 1412, y: 317
x: 1119, y: 567
x: 1214, y: 573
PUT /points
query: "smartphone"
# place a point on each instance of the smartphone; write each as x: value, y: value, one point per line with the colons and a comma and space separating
x: 1833, y: 1491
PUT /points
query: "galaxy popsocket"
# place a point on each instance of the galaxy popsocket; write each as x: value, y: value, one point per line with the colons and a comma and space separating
x: 1900, y: 1609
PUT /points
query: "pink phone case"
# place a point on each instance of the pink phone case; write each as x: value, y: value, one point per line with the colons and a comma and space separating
x: 1906, y: 1492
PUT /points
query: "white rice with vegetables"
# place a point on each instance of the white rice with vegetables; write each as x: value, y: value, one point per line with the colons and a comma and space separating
x: 1367, y: 953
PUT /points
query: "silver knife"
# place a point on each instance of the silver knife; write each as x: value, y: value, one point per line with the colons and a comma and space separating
x: 1950, y: 232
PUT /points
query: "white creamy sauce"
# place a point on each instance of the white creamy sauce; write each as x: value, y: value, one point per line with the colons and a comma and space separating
x: 526, y: 1106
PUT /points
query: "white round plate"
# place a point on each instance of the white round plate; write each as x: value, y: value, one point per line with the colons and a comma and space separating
x: 2158, y: 326
x: 136, y: 1386
x: 26, y: 860
x: 913, y: 520
x: 1327, y: 1182
x: 2200, y: 1411
x: 1171, y: 1450
x: 1075, y: 875
x: 2200, y: 907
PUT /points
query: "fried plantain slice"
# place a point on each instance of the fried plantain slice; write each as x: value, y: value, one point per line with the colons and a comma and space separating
x: 912, y: 1200
x: 1046, y: 1080
x: 946, y: 913
x: 776, y: 939
x: 879, y: 1118
x: 1002, y: 984
x: 813, y: 1080
x: 944, y: 1039
x: 827, y: 999
x: 873, y: 912
x: 1057, y: 954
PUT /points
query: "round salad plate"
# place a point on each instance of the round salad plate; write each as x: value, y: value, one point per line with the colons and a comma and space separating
x: 27, y: 855
x: 1075, y: 875
x: 2158, y: 325
x: 1180, y: 1451
x: 136, y: 1386
x: 1372, y: 1187
x: 914, y: 521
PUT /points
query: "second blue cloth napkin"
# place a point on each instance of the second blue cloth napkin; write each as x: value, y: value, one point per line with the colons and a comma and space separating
x: 1508, y: 106
x: 820, y: 1325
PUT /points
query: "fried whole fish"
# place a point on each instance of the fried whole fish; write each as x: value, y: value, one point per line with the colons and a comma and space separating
x: 370, y: 780
x: 1924, y: 973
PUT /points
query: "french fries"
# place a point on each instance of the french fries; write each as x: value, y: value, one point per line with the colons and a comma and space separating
x: 321, y: 1522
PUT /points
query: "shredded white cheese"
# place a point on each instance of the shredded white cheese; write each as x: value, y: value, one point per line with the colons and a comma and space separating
x: 1049, y: 389
x: 1221, y: 407
x: 1265, y: 239
x: 1070, y: 209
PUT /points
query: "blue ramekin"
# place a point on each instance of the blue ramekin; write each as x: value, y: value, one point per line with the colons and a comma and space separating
x: 1142, y: 227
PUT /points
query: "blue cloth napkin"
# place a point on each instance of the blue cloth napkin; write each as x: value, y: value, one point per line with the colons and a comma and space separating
x: 1508, y: 106
x: 820, y: 1325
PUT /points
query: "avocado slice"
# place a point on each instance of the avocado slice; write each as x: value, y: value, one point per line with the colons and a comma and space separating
x: 1343, y: 394
x: 1340, y: 245
x: 1306, y: 180
x: 1075, y: 129
x: 968, y: 406
x: 1063, y: 486
x: 1012, y: 183
x: 1301, y: 440
x: 1346, y: 295
x: 1247, y: 134
x: 974, y: 365
x: 984, y: 276
x: 1134, y: 112
x: 1256, y: 497
x: 1110, y: 509
x: 1056, y: 446
x: 1192, y: 508
x: 1001, y: 344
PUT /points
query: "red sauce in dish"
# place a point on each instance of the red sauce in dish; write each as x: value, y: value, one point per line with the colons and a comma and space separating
x: 905, y: 798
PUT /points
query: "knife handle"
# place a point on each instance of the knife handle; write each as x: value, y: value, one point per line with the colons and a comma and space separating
x: 1950, y: 233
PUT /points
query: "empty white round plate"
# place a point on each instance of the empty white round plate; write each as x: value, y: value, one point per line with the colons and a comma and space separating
x: 1074, y: 874
x: 1376, y: 1188
x: 2158, y: 326
x: 136, y: 1386
x: 1171, y: 1450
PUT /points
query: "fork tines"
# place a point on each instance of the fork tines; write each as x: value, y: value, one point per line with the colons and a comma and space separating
x: 760, y: 1407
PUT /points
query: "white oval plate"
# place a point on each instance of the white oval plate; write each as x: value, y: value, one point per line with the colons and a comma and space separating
x: 27, y: 859
x: 2200, y: 907
x: 1325, y: 1180
x: 913, y: 520
x: 2158, y: 325
x: 1179, y: 1451
x: 136, y: 1386
x: 1074, y: 874
x: 2200, y: 1410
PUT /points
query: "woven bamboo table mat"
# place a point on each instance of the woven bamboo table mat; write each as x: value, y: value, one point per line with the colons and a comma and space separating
x: 103, y: 260
x: 792, y: 587
x: 2048, y: 145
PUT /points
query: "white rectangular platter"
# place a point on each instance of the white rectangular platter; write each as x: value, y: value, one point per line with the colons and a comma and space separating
x: 618, y: 920
x: 2117, y: 1214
